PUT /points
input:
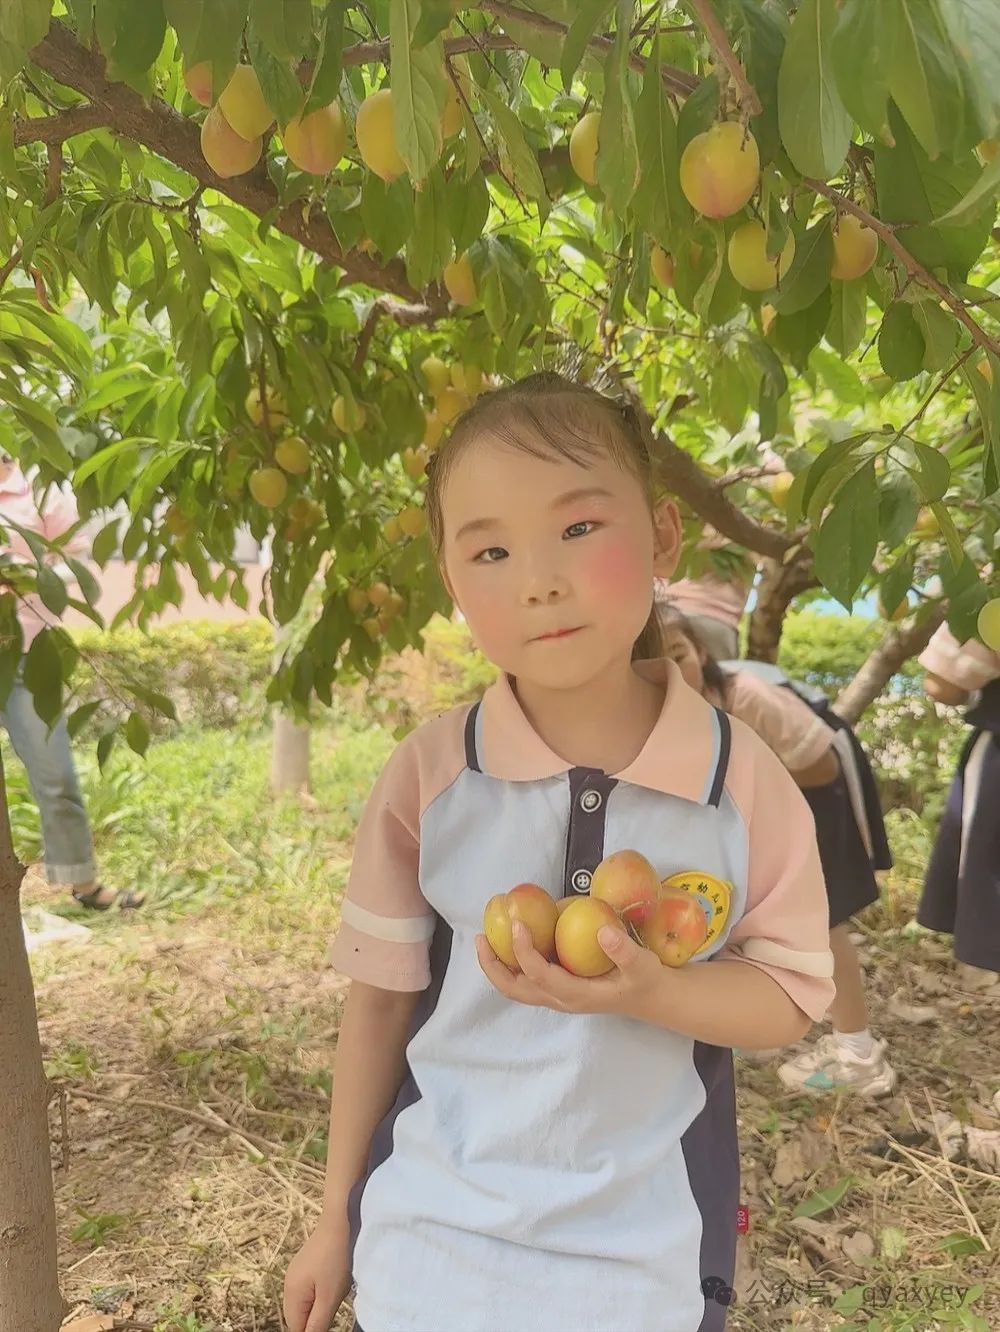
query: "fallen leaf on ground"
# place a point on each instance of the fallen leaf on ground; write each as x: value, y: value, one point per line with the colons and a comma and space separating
x: 91, y: 1323
x: 915, y: 1013
x: 858, y: 1246
x: 984, y: 1148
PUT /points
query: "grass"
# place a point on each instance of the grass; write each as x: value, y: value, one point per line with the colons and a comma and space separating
x: 190, y: 1045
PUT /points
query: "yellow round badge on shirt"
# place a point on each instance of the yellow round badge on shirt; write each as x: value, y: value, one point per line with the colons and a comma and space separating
x: 714, y: 896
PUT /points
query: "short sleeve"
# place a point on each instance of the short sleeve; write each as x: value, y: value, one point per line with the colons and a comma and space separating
x: 786, y: 724
x: 785, y: 929
x: 967, y: 666
x: 386, y: 924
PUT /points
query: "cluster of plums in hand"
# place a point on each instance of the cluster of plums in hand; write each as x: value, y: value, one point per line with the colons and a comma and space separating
x: 625, y: 892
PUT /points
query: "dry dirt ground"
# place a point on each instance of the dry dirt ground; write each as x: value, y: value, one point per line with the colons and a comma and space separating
x: 189, y: 1063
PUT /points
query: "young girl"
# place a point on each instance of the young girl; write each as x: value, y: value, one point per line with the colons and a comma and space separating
x: 830, y: 767
x: 962, y: 892
x: 534, y: 1150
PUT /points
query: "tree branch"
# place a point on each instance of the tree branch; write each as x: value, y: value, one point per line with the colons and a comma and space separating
x: 57, y: 128
x: 895, y: 649
x: 915, y: 269
x: 725, y: 55
x: 780, y: 583
x: 165, y: 131
x: 677, y: 81
x: 407, y: 316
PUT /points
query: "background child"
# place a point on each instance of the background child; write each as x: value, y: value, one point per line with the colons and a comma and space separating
x: 534, y: 1150
x: 962, y: 892
x: 850, y: 833
x: 713, y: 602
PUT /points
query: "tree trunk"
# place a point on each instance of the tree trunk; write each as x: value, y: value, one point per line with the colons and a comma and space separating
x: 289, y: 754
x: 896, y: 648
x: 29, y: 1275
x: 779, y: 585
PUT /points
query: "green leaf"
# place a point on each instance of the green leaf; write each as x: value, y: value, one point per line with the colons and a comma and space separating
x: 78, y: 719
x: 841, y: 378
x: 761, y: 51
x: 617, y: 154
x: 899, y: 504
x: 901, y: 343
x: 430, y: 244
x: 284, y: 27
x: 137, y: 733
x: 52, y: 590
x: 435, y: 16
x: 795, y: 335
x: 11, y: 641
x: 897, y: 582
x: 934, y: 468
x: 849, y: 304
x: 861, y: 50
x: 158, y: 702
x: 658, y: 202
x: 826, y: 1200
x: 983, y: 192
x: 282, y: 90
x: 727, y: 395
x: 23, y: 24
x: 960, y: 1244
x: 105, y: 543
x: 925, y: 79
x: 387, y: 211
x: 817, y: 486
x: 949, y: 531
x: 940, y: 333
x: 418, y: 90
x: 104, y: 747
x: 209, y: 30
x: 520, y: 159
x: 590, y: 16
x: 325, y: 83
x: 915, y: 191
x: 468, y: 205
x: 893, y: 1242
x: 809, y: 274
x: 43, y: 676
x: 815, y: 128
x: 89, y: 585
x: 972, y: 27
x: 845, y: 548
x: 131, y: 37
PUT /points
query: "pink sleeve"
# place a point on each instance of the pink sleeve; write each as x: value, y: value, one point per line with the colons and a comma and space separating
x: 965, y: 665
x: 386, y: 924
x: 786, y: 724
x: 785, y: 929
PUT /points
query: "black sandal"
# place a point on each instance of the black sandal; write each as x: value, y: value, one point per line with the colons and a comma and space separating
x: 126, y: 899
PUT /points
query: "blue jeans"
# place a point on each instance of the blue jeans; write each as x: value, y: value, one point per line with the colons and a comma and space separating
x: 69, y: 850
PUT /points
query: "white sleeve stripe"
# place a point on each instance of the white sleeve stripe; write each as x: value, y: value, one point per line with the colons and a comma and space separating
x: 407, y: 929
x: 775, y: 954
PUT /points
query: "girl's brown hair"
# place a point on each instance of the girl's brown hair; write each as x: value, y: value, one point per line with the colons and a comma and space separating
x: 541, y: 415
x: 714, y: 676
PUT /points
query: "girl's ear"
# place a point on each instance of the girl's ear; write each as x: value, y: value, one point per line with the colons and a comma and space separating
x: 667, y: 538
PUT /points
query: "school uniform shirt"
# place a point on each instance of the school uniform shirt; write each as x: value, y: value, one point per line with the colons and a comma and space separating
x: 961, y: 894
x: 543, y: 1170
x: 785, y: 723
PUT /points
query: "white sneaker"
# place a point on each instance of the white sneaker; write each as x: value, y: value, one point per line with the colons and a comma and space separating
x: 827, y: 1067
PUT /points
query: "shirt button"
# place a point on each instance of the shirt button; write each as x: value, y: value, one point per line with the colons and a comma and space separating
x: 591, y: 801
x: 581, y: 880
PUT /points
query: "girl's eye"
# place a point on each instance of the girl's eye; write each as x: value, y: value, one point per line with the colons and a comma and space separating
x: 579, y: 529
x: 492, y: 555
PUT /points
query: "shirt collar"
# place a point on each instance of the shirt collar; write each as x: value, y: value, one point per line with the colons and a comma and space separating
x: 678, y: 758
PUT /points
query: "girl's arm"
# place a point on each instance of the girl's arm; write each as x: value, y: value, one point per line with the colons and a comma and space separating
x: 368, y: 1074
x: 943, y: 692
x: 822, y: 772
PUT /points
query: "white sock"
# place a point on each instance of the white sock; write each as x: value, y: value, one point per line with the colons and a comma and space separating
x: 858, y: 1043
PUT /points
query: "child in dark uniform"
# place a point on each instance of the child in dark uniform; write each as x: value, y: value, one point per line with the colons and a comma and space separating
x: 827, y: 762
x: 962, y: 890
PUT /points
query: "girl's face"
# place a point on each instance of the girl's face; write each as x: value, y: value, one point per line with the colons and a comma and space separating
x: 691, y: 659
x: 550, y: 562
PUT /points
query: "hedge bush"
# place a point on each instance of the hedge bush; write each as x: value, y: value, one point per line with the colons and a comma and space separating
x: 217, y: 675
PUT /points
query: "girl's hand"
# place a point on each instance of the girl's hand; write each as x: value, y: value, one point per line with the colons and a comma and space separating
x: 629, y: 989
x: 318, y: 1279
